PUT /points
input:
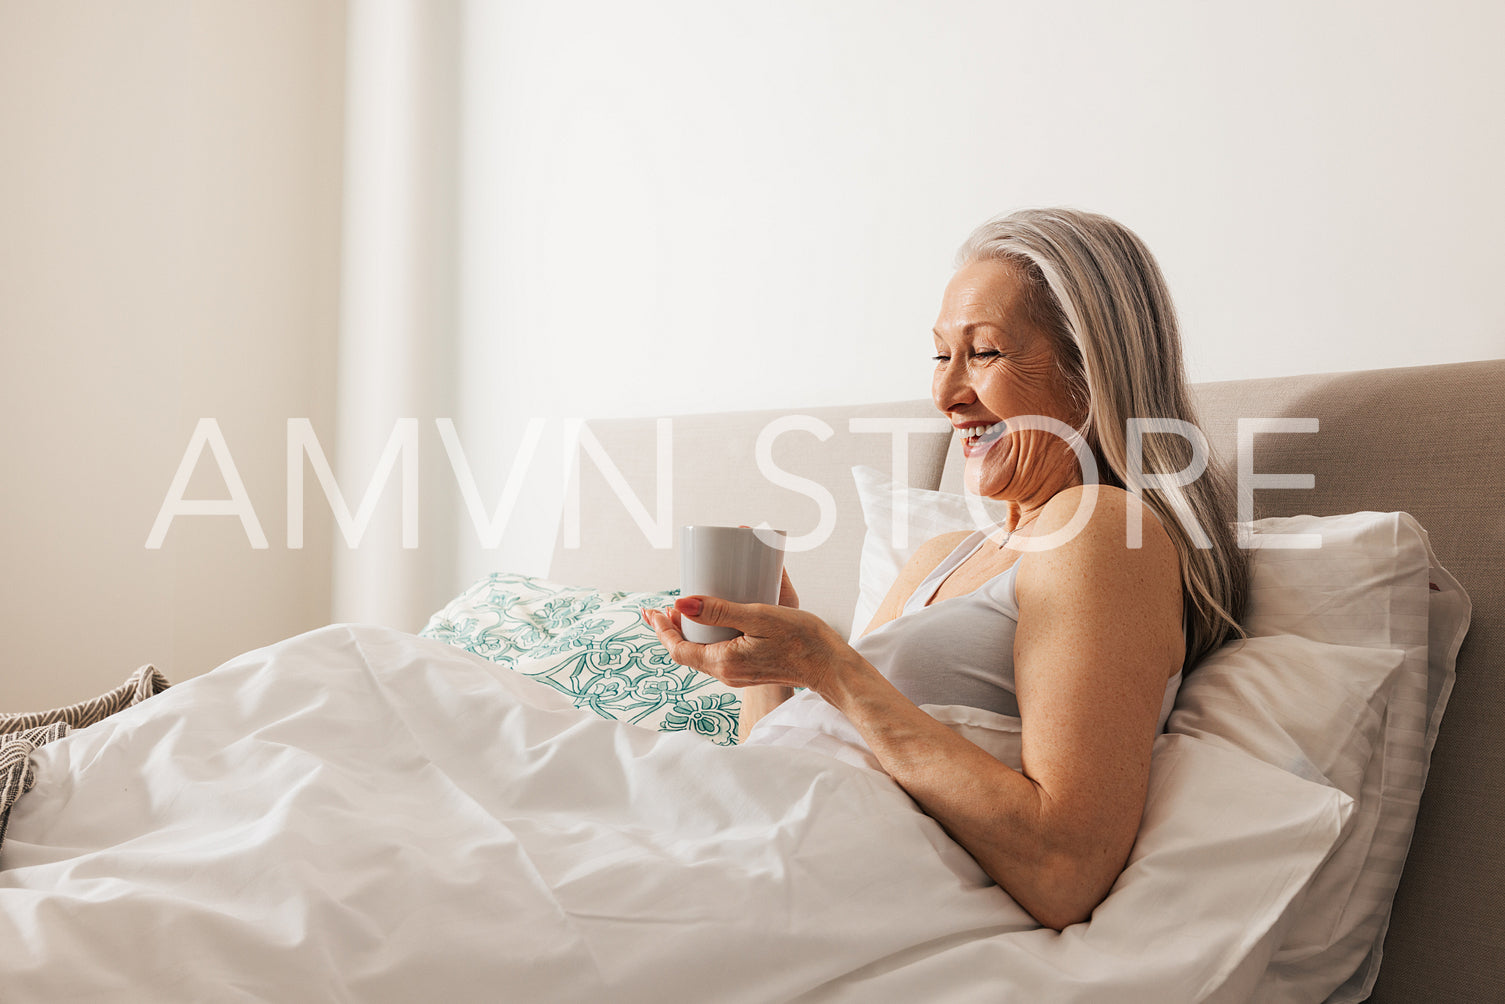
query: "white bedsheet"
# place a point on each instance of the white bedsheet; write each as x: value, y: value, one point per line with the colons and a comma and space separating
x: 361, y: 814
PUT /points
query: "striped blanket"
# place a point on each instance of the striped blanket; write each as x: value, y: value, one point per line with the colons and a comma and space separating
x: 20, y: 735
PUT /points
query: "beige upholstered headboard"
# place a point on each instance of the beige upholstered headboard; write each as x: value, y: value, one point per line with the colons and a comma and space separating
x: 1428, y: 440
x: 717, y: 479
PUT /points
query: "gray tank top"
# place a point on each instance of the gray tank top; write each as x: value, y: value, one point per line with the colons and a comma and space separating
x: 960, y: 650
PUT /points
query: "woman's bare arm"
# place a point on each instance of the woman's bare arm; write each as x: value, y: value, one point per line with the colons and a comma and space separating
x: 757, y: 701
x: 1099, y: 635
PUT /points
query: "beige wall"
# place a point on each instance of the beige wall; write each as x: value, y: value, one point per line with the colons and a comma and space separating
x: 169, y: 241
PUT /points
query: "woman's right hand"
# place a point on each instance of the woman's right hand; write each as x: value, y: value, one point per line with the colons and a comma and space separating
x: 787, y: 596
x: 760, y: 699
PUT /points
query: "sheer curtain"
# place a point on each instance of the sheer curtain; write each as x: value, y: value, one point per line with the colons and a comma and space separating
x: 397, y: 341
x: 435, y: 371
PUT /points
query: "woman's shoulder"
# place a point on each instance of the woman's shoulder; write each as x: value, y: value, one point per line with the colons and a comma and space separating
x: 1092, y: 526
x: 1111, y: 564
x: 1097, y: 506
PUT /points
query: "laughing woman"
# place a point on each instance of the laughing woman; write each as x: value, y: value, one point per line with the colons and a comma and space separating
x: 1055, y: 333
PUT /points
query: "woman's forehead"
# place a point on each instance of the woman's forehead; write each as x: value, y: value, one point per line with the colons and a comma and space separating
x: 983, y: 292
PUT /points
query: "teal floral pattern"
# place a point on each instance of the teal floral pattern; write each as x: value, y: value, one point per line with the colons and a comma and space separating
x: 591, y: 646
x: 711, y: 715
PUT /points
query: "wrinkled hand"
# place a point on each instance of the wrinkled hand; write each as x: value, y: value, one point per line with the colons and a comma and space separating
x: 779, y: 644
x: 787, y: 596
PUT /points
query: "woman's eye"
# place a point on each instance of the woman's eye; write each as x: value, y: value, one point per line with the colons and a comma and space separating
x: 980, y: 354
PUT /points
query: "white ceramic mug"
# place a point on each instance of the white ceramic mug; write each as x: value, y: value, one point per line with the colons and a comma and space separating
x: 742, y: 564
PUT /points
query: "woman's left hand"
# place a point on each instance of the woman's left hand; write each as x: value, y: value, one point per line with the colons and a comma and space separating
x: 779, y: 644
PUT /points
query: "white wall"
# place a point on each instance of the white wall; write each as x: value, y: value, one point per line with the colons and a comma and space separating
x: 677, y: 206
x: 169, y: 222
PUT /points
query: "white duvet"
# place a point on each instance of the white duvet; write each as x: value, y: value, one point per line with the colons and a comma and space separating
x: 360, y: 814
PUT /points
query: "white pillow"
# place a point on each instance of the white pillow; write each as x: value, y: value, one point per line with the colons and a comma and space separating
x: 1350, y: 686
x: 1338, y: 685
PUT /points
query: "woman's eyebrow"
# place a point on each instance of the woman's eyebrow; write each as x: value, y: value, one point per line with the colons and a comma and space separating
x: 968, y: 328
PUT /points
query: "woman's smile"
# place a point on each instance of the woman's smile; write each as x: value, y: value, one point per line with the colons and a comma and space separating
x: 978, y: 439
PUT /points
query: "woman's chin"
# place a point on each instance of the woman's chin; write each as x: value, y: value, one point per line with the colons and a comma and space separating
x: 986, y: 474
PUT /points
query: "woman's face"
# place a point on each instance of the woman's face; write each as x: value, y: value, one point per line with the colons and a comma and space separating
x: 992, y: 364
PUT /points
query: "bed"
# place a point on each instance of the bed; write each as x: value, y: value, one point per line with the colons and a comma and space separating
x: 527, y: 802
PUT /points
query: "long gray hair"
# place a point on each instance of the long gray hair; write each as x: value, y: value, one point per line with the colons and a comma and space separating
x: 1094, y: 287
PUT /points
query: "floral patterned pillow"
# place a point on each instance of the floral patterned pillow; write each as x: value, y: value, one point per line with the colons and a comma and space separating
x: 590, y: 645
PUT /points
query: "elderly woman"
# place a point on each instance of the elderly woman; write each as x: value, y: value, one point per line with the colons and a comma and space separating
x: 1077, y: 614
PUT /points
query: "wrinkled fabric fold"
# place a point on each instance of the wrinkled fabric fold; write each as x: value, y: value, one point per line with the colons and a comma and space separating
x: 22, y: 734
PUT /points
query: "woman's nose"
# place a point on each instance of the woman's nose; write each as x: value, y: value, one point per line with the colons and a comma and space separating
x: 952, y: 387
